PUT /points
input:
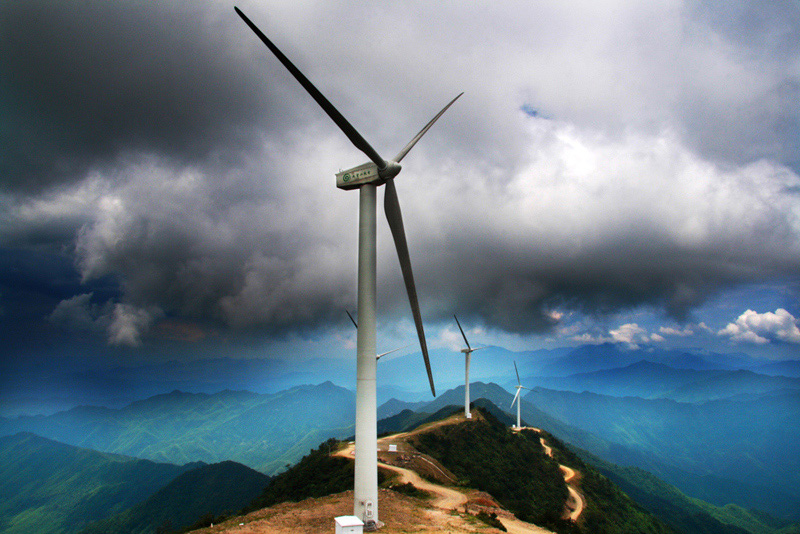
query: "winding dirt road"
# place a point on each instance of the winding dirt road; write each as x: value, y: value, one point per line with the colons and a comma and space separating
x: 444, y: 498
x: 575, y: 503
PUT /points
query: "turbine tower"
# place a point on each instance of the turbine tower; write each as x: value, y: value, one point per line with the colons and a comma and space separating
x: 366, y: 178
x: 467, y: 353
x: 517, y: 397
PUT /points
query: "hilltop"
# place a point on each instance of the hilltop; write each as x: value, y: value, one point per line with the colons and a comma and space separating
x: 443, y: 476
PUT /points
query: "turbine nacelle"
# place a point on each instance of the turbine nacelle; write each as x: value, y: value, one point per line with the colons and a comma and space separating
x: 367, y: 173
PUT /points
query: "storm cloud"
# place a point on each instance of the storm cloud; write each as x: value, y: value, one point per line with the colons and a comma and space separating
x: 604, y: 156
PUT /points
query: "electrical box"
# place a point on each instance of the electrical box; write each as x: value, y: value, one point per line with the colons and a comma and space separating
x: 349, y: 524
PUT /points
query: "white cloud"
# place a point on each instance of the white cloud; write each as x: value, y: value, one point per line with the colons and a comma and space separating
x: 760, y: 328
x: 630, y: 333
x: 633, y: 335
x: 591, y: 339
x: 76, y: 313
x: 680, y: 332
x: 685, y: 331
x: 129, y: 323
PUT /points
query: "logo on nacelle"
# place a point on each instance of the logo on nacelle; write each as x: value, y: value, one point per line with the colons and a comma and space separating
x: 357, y: 176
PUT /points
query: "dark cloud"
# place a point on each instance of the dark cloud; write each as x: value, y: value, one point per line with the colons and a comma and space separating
x: 86, y: 83
x: 159, y: 145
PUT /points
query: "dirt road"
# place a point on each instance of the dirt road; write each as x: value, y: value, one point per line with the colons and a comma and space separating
x: 575, y: 503
x: 444, y: 498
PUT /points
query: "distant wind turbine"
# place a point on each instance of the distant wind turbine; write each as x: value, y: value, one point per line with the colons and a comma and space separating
x: 366, y: 178
x: 517, y: 397
x: 378, y: 357
x: 467, y: 353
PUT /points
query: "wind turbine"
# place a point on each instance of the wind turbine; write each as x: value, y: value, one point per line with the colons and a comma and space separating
x: 467, y: 353
x: 517, y: 397
x: 366, y: 178
x: 378, y: 357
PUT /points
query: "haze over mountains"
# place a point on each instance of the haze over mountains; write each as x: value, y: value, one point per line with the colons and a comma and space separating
x: 262, y: 431
x: 54, y: 390
x: 722, y: 433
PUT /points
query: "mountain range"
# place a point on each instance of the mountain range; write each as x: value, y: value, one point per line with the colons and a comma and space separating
x: 721, y: 430
x: 48, y: 390
x: 46, y: 486
x: 650, y: 380
x: 263, y: 431
x: 748, y: 451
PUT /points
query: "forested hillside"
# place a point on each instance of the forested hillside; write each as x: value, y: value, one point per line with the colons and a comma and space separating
x: 50, y: 488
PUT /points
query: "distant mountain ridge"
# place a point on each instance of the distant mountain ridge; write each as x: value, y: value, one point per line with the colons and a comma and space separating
x: 51, y: 391
x: 651, y: 380
x: 52, y: 488
x: 263, y: 431
x: 748, y: 442
x: 204, y: 492
x: 592, y: 358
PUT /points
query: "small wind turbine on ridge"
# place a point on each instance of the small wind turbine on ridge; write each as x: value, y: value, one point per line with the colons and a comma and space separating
x: 366, y: 178
x: 378, y: 357
x: 467, y: 353
x: 517, y: 397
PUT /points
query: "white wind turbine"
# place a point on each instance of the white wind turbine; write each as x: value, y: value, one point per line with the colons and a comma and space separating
x: 379, y: 356
x: 467, y: 353
x: 366, y: 178
x: 517, y: 397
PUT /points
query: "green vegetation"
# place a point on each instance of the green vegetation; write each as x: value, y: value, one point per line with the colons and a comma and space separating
x: 491, y: 520
x: 208, y: 492
x: 410, y: 489
x: 608, y: 509
x: 48, y: 487
x: 686, y: 514
x: 264, y: 432
x: 514, y: 469
x: 743, y: 450
x: 317, y: 474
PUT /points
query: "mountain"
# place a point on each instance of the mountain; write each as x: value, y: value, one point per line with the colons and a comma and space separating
x: 206, y: 492
x: 784, y: 368
x: 477, y: 390
x: 684, y: 513
x: 591, y: 358
x: 53, y: 488
x: 509, y: 468
x: 263, y: 431
x: 747, y: 450
x: 643, y: 378
x: 730, y: 384
x: 651, y: 380
x: 394, y: 406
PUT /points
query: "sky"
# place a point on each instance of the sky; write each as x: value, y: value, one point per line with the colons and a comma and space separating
x: 616, y: 171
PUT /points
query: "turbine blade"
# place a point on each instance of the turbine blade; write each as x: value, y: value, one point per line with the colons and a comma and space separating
x: 391, y: 206
x: 462, y: 332
x: 351, y: 318
x: 427, y: 127
x: 515, y: 398
x: 348, y: 129
x: 515, y: 370
x: 378, y: 357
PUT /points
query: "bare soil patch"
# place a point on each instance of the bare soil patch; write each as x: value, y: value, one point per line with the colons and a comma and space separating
x: 401, y: 515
